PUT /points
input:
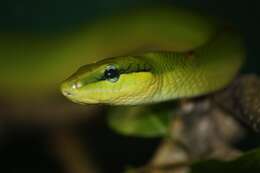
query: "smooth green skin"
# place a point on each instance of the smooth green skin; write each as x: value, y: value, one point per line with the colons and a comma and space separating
x: 197, y: 59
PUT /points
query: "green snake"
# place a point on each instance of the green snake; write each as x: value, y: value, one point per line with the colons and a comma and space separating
x: 157, y: 55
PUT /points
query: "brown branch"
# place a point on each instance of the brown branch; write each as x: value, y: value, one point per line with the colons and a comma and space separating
x: 242, y: 99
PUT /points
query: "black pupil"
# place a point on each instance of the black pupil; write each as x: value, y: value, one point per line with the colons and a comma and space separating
x: 111, y: 74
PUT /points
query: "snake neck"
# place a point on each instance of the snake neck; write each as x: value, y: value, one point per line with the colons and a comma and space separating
x: 202, y: 71
x: 173, y: 75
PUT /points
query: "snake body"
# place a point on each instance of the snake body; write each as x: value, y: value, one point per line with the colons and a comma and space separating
x: 160, y: 55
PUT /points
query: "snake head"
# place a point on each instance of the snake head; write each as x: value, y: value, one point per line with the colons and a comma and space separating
x: 116, y: 81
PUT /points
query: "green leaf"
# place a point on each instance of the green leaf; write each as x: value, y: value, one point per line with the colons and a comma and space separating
x: 140, y: 121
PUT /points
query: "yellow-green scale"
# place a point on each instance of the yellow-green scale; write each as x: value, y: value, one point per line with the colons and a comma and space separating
x: 206, y: 69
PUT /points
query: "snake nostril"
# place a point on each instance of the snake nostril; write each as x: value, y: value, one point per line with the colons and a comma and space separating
x: 66, y: 93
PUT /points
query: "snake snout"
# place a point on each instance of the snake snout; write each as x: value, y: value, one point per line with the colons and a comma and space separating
x: 67, y: 90
x: 66, y: 93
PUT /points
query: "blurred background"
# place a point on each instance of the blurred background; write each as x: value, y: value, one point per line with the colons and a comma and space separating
x: 33, y: 121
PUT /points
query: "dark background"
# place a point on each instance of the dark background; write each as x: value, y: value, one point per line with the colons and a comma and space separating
x: 27, y: 150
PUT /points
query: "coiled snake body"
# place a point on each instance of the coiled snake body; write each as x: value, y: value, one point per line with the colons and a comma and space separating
x: 162, y: 54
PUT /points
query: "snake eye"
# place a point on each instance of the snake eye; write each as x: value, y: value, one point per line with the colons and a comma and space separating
x: 111, y: 73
